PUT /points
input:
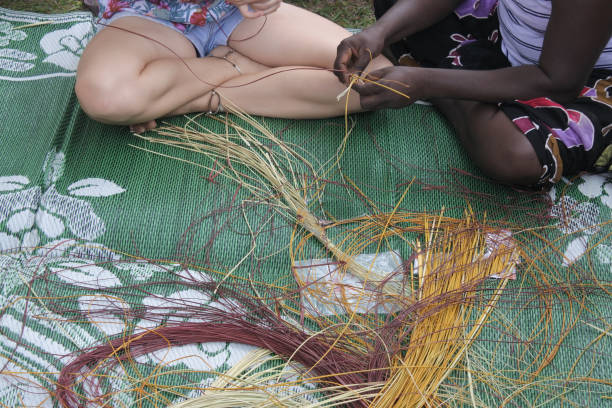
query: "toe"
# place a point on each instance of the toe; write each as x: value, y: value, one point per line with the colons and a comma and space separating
x: 143, y: 127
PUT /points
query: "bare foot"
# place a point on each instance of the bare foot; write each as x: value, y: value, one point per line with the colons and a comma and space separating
x: 143, y: 127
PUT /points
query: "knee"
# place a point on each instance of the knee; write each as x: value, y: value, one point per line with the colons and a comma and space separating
x: 109, y: 100
x: 497, y: 146
x: 515, y: 164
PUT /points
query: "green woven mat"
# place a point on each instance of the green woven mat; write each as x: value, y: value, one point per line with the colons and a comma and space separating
x: 73, y: 190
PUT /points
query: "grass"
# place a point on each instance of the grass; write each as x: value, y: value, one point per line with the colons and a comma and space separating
x: 347, y: 13
x: 43, y: 6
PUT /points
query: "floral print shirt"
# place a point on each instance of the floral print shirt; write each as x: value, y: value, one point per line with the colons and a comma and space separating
x: 184, y: 14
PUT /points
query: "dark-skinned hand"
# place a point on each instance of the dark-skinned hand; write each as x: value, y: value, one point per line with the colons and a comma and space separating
x: 404, y: 80
x: 356, y: 52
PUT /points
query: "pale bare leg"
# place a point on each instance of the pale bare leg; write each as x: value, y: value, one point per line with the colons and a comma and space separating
x: 209, y: 102
x: 127, y: 78
x: 295, y: 42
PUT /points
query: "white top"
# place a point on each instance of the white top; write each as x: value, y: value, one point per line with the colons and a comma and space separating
x: 522, y: 25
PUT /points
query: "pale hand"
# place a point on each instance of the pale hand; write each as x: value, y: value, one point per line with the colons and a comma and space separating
x: 256, y: 8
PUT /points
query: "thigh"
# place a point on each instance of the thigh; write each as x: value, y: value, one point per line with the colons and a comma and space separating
x: 289, y: 36
x: 128, y: 44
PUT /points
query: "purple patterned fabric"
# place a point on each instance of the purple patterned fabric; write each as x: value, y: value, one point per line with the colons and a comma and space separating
x: 579, y: 132
x: 476, y: 8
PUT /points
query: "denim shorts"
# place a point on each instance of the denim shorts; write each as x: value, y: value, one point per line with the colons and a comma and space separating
x: 204, y: 38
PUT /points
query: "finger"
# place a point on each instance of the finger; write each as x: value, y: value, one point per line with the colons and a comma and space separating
x: 270, y: 10
x: 152, y: 124
x: 257, y: 4
x: 246, y: 12
x: 382, y: 79
x: 378, y: 75
x: 341, y: 64
x: 367, y: 88
x: 265, y: 5
x: 384, y: 100
x: 371, y: 79
x: 364, y: 57
x: 251, y: 2
x: 371, y: 102
x: 137, y: 129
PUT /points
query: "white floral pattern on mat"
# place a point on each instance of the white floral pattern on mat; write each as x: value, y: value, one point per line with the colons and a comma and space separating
x: 49, y: 51
x: 580, y: 220
x: 12, y: 59
x: 597, y: 186
x: 49, y: 340
x: 32, y: 215
x: 64, y: 47
x: 8, y: 34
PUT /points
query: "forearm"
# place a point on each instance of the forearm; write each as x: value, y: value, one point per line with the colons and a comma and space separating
x: 407, y: 17
x: 573, y: 41
x: 507, y: 84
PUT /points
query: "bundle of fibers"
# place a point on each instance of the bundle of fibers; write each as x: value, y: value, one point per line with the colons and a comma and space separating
x: 403, y: 362
x: 441, y: 337
x: 544, y: 287
x: 427, y: 325
x: 272, y: 170
x: 453, y: 263
x: 340, y: 368
x: 258, y: 380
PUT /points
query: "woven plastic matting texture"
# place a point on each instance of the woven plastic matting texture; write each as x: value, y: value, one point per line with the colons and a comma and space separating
x: 83, y: 189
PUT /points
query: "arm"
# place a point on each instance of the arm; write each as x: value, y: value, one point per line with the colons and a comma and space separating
x: 405, y: 18
x: 573, y: 42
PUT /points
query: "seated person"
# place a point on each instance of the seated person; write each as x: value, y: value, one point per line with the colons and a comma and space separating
x: 156, y: 58
x: 527, y: 84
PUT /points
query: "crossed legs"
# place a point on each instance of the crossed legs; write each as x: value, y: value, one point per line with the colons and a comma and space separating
x: 492, y: 141
x: 126, y: 77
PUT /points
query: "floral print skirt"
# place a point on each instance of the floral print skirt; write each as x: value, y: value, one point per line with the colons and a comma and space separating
x: 184, y: 14
x: 207, y: 24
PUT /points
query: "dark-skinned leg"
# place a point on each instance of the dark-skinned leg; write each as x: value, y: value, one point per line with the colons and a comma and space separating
x: 493, y: 142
